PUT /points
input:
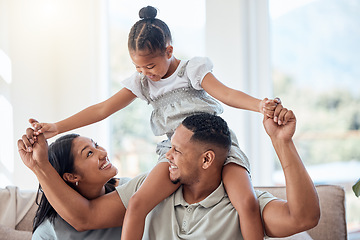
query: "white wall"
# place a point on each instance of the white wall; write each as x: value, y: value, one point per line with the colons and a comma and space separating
x: 59, y: 66
x: 237, y: 40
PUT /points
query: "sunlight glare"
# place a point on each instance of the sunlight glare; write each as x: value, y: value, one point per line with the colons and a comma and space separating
x: 5, y: 67
x: 278, y: 8
x: 7, y: 141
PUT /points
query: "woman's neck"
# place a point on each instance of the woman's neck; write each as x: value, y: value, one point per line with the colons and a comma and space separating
x: 91, y: 191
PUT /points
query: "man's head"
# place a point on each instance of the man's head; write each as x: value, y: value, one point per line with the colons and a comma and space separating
x: 200, y: 143
x: 209, y: 129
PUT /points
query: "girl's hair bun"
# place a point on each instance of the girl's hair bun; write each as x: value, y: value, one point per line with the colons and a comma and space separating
x: 148, y: 12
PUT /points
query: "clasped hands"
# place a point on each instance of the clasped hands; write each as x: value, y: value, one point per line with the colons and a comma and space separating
x: 33, y: 149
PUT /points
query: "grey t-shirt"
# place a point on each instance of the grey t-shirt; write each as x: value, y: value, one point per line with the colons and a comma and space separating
x: 212, y: 218
x: 62, y: 230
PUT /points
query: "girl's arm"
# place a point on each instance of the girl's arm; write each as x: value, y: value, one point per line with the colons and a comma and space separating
x: 232, y: 97
x: 90, y: 115
x: 243, y: 198
x: 156, y: 187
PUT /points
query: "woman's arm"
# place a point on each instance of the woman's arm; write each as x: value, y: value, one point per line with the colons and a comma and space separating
x: 90, y: 115
x: 104, y: 212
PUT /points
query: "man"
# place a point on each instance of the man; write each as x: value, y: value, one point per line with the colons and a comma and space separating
x: 200, y: 208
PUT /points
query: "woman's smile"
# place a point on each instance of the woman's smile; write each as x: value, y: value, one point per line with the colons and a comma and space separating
x: 106, y: 165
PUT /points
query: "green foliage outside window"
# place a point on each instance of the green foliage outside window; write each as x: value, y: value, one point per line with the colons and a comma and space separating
x: 328, y: 121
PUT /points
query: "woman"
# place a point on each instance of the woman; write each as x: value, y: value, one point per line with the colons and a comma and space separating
x: 85, y: 167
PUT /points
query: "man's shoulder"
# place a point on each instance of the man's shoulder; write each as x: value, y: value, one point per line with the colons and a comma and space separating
x: 127, y: 189
x: 264, y: 198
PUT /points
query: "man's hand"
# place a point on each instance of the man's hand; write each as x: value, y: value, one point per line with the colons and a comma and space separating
x: 33, y: 150
x: 286, y: 130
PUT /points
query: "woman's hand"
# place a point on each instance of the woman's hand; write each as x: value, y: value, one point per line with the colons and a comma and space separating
x: 33, y: 149
x: 48, y: 129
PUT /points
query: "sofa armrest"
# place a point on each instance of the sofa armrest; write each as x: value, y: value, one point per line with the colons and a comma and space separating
x: 332, y: 224
x: 26, y: 224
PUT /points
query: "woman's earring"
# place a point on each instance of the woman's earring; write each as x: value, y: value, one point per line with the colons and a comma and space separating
x: 77, y: 183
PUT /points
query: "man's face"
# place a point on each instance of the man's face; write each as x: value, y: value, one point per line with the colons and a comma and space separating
x: 184, y: 157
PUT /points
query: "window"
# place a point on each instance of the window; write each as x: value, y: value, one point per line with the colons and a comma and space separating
x: 315, y: 57
x: 133, y: 143
x: 7, y: 142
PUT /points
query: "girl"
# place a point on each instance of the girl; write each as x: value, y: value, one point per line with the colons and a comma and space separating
x: 176, y: 89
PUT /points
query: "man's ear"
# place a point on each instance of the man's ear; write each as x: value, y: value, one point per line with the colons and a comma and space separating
x: 208, y: 159
x: 70, y: 177
x: 169, y: 51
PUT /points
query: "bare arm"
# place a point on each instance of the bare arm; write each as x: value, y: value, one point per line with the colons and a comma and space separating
x: 104, y: 212
x: 155, y: 189
x: 229, y: 96
x: 301, y: 211
x: 90, y: 115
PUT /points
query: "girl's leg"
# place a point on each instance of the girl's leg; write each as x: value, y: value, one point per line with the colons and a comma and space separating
x: 156, y: 187
x: 241, y: 193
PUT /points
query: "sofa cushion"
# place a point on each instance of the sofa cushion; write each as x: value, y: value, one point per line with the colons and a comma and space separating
x: 15, y: 204
x: 7, y: 233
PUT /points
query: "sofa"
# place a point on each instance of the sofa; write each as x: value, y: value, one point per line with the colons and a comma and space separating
x: 332, y: 223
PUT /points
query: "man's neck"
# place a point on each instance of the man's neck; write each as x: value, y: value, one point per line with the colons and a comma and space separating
x: 197, y: 192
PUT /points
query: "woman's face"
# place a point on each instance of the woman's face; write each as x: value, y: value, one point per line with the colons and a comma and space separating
x: 91, y: 162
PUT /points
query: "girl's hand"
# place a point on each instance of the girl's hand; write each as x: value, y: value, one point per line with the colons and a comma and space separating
x: 48, y: 129
x: 268, y: 106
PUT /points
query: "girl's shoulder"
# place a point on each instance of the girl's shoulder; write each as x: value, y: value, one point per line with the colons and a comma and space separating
x: 199, y: 64
x: 199, y: 61
x: 133, y: 83
x: 134, y: 77
x: 197, y: 68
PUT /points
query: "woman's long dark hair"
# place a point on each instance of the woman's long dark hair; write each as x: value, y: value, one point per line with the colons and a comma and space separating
x: 62, y: 159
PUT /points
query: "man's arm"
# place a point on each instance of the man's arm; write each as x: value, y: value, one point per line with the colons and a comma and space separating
x: 301, y: 211
x: 104, y: 212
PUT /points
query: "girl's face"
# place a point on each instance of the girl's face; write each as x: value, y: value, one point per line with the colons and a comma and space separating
x: 155, y: 66
x: 91, y: 162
